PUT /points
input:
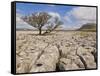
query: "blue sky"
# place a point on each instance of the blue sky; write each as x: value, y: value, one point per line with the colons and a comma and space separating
x: 68, y: 14
x: 28, y: 8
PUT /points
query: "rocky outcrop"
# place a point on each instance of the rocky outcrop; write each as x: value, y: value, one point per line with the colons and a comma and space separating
x: 57, y: 52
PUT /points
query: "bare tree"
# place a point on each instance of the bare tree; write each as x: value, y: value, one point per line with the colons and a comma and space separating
x: 53, y: 25
x: 41, y: 19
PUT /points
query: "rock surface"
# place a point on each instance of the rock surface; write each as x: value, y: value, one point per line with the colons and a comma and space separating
x: 56, y: 52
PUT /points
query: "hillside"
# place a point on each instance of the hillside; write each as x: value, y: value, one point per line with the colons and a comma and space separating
x: 88, y: 27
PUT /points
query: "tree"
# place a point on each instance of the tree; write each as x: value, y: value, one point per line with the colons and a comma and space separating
x: 41, y: 19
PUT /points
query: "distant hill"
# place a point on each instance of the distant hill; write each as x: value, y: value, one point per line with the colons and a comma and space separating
x: 88, y: 27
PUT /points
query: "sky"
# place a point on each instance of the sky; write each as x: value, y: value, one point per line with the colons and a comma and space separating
x: 73, y: 17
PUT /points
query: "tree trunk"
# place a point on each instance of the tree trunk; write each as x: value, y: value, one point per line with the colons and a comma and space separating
x: 40, y: 31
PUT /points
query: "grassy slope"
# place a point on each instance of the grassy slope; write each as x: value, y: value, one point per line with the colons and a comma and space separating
x: 88, y: 27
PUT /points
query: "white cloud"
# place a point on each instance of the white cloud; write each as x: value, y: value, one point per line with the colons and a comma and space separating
x: 20, y: 24
x: 79, y: 16
x: 18, y: 17
x: 67, y: 18
x: 54, y: 14
x: 84, y: 13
